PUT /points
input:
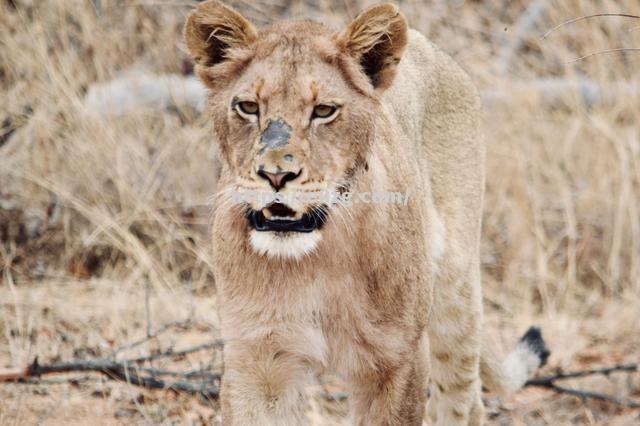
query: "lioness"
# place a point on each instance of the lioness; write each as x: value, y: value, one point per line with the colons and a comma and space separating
x: 376, y: 292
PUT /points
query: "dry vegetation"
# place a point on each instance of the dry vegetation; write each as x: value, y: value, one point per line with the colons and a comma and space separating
x: 103, y: 220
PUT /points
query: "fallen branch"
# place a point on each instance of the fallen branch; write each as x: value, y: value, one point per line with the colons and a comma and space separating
x: 555, y: 90
x: 137, y: 89
x: 595, y: 395
x: 198, y: 382
x: 544, y: 381
x: 206, y: 383
x: 549, y: 383
x: 551, y: 90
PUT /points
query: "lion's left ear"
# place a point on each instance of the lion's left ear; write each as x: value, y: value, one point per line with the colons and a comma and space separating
x: 376, y: 39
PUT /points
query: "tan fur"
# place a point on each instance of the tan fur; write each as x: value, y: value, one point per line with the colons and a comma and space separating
x: 384, y: 285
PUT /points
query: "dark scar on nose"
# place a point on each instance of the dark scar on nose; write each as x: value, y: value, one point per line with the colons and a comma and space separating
x: 276, y: 135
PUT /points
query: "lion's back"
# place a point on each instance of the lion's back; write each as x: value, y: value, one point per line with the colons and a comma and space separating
x: 438, y: 108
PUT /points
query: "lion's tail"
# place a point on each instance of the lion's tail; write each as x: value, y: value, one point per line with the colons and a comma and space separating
x: 519, y: 366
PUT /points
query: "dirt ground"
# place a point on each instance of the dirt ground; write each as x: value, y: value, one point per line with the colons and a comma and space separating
x: 103, y: 218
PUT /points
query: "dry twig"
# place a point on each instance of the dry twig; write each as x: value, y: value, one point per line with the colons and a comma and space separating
x: 581, y: 18
x: 150, y: 336
x: 170, y: 353
x: 599, y: 52
x: 596, y: 15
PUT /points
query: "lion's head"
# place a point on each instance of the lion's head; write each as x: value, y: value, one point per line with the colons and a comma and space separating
x: 294, y: 108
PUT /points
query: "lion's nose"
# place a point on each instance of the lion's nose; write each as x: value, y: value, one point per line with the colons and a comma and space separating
x: 278, y: 180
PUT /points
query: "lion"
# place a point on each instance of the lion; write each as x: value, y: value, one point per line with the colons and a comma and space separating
x: 386, y: 295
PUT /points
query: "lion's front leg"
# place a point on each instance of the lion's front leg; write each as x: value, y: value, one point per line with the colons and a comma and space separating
x: 262, y: 385
x: 392, y: 394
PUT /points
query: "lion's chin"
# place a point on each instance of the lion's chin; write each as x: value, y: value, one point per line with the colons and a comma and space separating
x: 284, y: 245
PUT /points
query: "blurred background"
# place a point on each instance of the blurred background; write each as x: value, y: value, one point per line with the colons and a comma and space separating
x: 104, y: 210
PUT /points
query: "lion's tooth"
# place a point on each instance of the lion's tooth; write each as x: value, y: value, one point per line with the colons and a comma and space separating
x: 281, y: 218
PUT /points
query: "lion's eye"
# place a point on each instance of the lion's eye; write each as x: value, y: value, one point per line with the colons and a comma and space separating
x: 248, y: 107
x: 324, y: 111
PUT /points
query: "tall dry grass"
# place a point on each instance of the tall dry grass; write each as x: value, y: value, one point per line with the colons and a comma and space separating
x: 124, y: 200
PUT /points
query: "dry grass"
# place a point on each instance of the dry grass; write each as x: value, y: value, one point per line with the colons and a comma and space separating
x: 103, y: 217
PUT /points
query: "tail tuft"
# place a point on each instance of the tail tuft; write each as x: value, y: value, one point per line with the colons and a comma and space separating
x: 533, y: 339
x: 529, y: 354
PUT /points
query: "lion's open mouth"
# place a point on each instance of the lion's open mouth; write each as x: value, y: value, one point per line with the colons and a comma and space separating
x: 283, y: 219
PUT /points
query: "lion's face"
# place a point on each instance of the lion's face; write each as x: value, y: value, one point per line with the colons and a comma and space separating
x: 295, y: 130
x: 294, y: 109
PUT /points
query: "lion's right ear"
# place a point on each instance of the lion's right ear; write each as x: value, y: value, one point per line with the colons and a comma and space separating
x: 212, y: 29
x: 377, y: 39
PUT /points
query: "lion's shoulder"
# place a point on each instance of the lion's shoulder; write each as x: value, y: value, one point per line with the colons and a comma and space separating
x: 432, y: 80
